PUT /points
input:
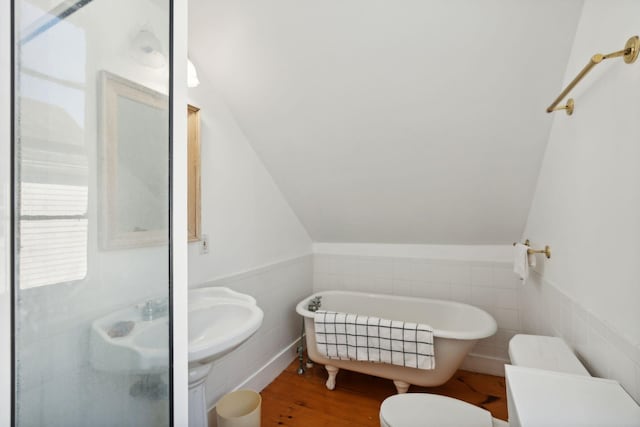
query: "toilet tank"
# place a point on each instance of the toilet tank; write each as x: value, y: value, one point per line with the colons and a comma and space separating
x: 540, y: 352
x: 548, y: 353
x: 540, y: 397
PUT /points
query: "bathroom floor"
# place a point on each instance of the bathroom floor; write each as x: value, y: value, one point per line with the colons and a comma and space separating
x: 303, y: 400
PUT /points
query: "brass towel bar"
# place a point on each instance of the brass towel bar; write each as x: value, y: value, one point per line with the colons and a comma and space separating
x: 629, y: 54
x: 546, y: 251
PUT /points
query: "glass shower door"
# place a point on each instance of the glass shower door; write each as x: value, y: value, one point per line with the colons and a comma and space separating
x: 92, y: 213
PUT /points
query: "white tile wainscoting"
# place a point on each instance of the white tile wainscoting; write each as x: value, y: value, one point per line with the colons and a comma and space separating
x: 546, y: 310
x: 277, y: 288
x: 491, y: 286
x: 538, y: 307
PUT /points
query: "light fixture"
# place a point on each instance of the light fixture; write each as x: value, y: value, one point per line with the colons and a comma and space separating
x: 147, y: 49
x: 192, y: 74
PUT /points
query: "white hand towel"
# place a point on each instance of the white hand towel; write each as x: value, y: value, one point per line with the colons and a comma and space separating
x: 521, y: 261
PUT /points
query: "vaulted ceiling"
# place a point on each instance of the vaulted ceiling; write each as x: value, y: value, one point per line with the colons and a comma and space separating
x: 410, y: 121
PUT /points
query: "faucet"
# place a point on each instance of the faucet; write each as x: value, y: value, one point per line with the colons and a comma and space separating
x: 154, y: 308
x: 315, y: 304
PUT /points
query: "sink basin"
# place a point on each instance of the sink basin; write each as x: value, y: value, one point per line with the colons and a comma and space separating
x: 219, y: 321
x: 144, y: 349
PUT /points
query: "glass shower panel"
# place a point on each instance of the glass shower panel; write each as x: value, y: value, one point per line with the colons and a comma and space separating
x: 92, y: 278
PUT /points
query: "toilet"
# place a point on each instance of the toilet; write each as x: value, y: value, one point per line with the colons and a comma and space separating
x: 432, y: 410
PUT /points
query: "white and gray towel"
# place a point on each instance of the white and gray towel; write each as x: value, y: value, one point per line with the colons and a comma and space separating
x: 347, y: 336
x: 522, y: 261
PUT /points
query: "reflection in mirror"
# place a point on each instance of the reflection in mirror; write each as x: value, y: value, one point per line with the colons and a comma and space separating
x: 133, y: 188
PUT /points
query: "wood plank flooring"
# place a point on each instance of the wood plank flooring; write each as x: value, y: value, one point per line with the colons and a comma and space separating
x: 304, y: 401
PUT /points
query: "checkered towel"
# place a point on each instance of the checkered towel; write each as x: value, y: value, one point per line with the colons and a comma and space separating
x: 347, y: 336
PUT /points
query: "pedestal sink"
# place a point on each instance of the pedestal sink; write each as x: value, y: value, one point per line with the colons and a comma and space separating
x: 128, y: 342
x: 219, y: 321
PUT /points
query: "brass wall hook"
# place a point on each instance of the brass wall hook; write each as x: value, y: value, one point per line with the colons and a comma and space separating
x: 631, y: 49
x: 568, y: 107
x: 546, y: 251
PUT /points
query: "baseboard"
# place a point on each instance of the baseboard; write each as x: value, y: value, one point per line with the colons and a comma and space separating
x: 265, y: 375
x: 270, y: 371
x: 484, y: 364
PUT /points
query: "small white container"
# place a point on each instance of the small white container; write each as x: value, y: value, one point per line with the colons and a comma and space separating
x: 240, y: 408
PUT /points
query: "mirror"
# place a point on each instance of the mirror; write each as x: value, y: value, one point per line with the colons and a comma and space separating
x: 134, y: 150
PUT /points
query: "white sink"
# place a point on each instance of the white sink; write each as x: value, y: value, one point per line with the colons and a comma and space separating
x: 219, y: 321
x: 143, y: 350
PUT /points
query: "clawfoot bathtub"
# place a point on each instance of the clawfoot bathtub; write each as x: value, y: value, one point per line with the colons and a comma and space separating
x: 456, y: 328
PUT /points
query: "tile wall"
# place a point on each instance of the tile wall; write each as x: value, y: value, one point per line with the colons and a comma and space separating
x: 538, y: 307
x: 606, y: 353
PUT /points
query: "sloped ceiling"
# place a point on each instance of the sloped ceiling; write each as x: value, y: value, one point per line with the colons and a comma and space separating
x: 409, y: 121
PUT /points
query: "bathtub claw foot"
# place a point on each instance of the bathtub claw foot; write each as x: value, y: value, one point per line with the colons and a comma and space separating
x: 331, y: 381
x: 401, y: 386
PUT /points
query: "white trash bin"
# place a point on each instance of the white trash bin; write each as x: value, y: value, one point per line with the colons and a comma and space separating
x: 240, y: 408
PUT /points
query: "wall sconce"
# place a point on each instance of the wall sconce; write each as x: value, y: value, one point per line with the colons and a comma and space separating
x: 147, y: 49
x: 192, y: 74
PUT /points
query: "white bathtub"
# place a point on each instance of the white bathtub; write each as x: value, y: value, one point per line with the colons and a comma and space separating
x: 456, y: 328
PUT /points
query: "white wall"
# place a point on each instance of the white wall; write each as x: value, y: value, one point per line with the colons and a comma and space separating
x: 5, y: 212
x: 247, y: 219
x: 256, y: 246
x: 419, y: 123
x: 587, y: 203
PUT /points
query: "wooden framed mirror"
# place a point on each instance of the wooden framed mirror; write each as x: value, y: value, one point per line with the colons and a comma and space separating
x: 193, y: 167
x: 133, y: 129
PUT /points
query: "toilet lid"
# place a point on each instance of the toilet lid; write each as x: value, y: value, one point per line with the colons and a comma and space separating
x: 431, y: 410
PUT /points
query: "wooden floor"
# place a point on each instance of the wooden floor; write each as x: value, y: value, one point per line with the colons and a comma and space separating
x: 304, y: 401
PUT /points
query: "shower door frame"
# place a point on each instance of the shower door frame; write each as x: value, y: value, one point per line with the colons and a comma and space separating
x: 6, y: 327
x: 177, y: 256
